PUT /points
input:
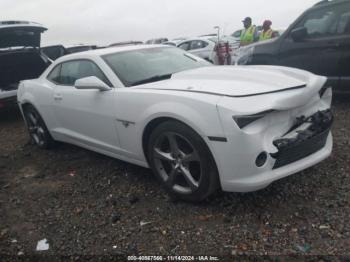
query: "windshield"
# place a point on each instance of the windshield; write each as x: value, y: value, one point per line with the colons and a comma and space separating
x: 151, y: 64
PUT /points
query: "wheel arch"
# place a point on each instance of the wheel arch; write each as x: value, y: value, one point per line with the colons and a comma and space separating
x: 152, y: 124
x: 199, y: 116
x: 25, y: 99
x: 25, y: 104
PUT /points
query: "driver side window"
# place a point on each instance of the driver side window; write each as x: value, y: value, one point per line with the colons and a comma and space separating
x: 326, y: 22
x: 320, y: 23
x: 69, y: 72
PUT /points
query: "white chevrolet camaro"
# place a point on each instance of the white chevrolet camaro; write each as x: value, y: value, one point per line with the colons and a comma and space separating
x: 199, y: 127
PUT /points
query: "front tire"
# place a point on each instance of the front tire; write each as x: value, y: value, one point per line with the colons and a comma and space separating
x: 37, y: 129
x: 182, y: 162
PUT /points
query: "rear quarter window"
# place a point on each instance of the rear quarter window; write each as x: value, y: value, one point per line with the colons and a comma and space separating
x: 54, y: 75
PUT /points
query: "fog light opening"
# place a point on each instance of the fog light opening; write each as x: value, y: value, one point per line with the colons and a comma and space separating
x: 261, y: 159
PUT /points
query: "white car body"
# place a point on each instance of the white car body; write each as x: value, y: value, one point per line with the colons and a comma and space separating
x: 201, y: 47
x: 174, y: 42
x: 206, y: 99
x: 207, y: 51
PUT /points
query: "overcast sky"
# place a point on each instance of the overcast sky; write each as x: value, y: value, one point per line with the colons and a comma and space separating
x: 107, y: 21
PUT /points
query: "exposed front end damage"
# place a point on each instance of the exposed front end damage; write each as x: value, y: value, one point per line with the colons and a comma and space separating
x: 272, y: 136
x: 308, y: 136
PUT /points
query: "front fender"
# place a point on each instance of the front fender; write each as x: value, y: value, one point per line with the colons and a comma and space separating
x: 198, y: 111
x: 205, y: 124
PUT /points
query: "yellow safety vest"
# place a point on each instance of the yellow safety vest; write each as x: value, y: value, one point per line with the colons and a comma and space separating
x: 247, y: 35
x: 266, y: 35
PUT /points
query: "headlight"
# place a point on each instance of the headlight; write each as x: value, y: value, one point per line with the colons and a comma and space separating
x: 323, y: 90
x: 245, y: 55
x: 243, y: 121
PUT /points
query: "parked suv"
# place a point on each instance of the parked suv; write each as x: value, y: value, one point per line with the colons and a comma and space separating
x: 318, y: 41
x: 20, y: 57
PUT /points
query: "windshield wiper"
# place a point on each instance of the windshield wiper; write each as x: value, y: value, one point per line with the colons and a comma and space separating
x: 152, y: 79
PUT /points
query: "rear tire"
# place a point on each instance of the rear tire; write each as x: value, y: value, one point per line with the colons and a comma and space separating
x: 37, y: 129
x: 182, y: 162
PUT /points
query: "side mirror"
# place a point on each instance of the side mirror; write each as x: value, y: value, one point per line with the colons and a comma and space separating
x: 299, y: 34
x: 91, y: 82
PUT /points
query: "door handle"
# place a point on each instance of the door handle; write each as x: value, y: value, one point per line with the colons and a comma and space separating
x: 58, y: 97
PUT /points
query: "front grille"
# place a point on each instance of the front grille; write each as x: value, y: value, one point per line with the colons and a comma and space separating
x: 305, y: 146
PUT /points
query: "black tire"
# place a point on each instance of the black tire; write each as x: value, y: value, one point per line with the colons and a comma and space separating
x: 189, y: 172
x: 37, y: 129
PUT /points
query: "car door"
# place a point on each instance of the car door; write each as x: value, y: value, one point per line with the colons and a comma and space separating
x: 318, y: 51
x: 344, y: 65
x: 84, y: 116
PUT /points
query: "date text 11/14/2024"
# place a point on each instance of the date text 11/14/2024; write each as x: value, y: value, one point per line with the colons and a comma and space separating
x: 172, y: 258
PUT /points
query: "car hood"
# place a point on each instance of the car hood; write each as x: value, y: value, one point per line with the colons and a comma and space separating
x: 239, y: 81
x: 19, y: 36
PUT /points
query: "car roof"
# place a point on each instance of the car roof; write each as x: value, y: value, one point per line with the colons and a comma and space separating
x: 330, y: 2
x: 126, y: 43
x: 194, y: 39
x: 108, y: 50
x: 171, y: 42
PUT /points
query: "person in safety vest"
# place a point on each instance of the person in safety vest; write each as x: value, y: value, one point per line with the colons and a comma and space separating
x: 249, y: 34
x: 267, y: 32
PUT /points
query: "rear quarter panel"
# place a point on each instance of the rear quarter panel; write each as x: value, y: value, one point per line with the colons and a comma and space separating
x: 39, y: 94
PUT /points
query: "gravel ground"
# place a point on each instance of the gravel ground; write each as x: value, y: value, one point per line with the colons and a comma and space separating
x: 84, y: 203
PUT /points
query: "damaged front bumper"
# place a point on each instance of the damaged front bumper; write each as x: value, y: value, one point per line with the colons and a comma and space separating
x: 308, y: 136
x: 288, y: 142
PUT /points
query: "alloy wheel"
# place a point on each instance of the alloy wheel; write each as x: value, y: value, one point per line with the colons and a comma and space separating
x: 36, y: 129
x: 178, y: 162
